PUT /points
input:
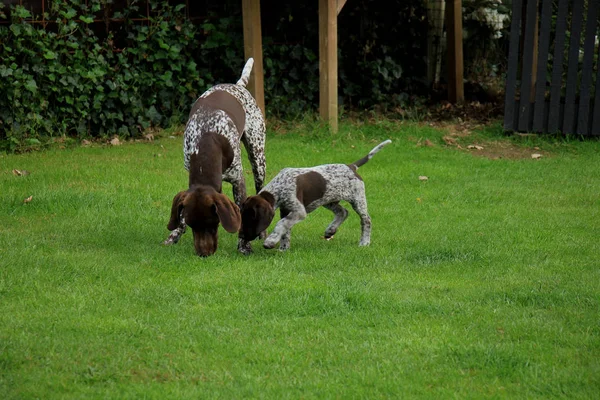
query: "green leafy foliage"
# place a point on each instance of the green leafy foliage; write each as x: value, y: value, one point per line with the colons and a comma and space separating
x: 65, y: 80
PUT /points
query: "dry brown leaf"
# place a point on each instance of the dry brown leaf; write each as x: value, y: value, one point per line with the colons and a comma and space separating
x: 536, y: 156
x: 85, y: 142
x: 449, y: 140
x: 475, y: 146
x: 20, y: 172
x: 28, y: 200
x: 115, y: 141
x: 423, y: 178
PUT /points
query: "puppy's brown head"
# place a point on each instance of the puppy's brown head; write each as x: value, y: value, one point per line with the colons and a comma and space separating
x: 257, y: 213
x: 202, y: 209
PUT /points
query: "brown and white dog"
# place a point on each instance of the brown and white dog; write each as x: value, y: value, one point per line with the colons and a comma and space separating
x: 222, y: 117
x: 299, y: 191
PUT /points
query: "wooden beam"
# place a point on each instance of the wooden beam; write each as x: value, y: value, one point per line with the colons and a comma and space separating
x: 456, y: 91
x: 328, y: 63
x: 340, y: 5
x: 253, y: 48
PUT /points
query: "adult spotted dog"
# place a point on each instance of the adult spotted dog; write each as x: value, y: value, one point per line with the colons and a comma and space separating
x: 222, y: 117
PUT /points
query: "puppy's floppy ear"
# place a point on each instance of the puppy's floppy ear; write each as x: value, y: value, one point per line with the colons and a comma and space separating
x: 228, y: 212
x: 247, y: 210
x: 176, y: 208
x: 265, y: 215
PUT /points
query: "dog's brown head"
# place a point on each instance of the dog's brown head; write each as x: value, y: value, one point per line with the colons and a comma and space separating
x: 202, y: 209
x: 257, y: 213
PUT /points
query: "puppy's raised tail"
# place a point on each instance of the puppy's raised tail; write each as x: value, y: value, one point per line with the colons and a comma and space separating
x: 355, y: 165
x: 246, y: 72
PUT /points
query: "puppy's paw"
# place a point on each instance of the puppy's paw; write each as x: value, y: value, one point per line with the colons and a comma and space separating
x: 269, y: 243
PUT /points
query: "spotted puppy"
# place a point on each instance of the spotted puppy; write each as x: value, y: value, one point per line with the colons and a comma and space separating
x: 222, y: 117
x: 299, y: 191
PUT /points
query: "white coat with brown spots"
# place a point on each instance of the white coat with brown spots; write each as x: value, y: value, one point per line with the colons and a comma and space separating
x: 299, y: 191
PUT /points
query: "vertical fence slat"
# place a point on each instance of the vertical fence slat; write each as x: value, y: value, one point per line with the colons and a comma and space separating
x: 527, y: 70
x: 583, y: 116
x: 513, y: 62
x: 557, y: 66
x: 573, y: 67
x: 596, y: 114
x: 542, y: 67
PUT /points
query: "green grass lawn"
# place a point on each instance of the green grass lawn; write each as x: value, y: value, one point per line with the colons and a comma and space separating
x: 483, y: 281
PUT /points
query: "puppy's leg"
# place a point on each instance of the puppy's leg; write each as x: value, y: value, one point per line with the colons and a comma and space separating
x: 284, y: 244
x: 283, y: 228
x: 360, y: 206
x: 175, y: 234
x: 340, y: 216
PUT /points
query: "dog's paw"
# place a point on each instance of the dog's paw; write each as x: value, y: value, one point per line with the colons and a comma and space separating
x: 244, y: 247
x: 245, y: 251
x: 168, y: 242
x: 365, y: 243
x: 284, y: 247
x: 269, y: 244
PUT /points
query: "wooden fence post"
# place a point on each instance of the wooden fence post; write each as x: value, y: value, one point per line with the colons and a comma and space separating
x: 328, y: 63
x: 253, y: 48
x: 456, y: 91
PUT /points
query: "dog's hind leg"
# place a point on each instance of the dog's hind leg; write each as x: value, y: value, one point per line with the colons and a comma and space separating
x: 238, y: 186
x: 254, y: 142
x: 360, y: 206
x: 340, y: 216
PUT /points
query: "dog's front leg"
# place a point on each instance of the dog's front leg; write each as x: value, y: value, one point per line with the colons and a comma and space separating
x: 283, y: 229
x: 176, y: 233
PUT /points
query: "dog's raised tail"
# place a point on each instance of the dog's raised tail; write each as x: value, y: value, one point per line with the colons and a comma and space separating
x: 246, y: 72
x: 355, y: 165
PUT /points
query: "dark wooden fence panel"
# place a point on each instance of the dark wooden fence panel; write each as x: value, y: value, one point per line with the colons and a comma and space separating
x: 587, y: 69
x: 513, y: 66
x: 540, y: 115
x: 563, y: 102
x: 557, y: 66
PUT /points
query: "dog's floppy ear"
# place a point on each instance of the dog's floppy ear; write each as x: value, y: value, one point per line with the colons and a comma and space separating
x: 228, y: 212
x: 264, y: 215
x: 176, y: 208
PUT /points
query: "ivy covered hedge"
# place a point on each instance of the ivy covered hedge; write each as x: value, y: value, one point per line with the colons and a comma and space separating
x: 77, y: 76
x: 65, y: 80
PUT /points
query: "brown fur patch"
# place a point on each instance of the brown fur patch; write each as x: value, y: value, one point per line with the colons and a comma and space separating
x: 310, y: 186
x: 221, y: 100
